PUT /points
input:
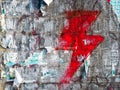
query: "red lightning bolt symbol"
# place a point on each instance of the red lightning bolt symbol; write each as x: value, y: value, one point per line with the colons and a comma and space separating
x: 74, y: 38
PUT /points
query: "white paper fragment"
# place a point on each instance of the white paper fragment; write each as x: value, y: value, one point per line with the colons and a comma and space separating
x: 18, y: 80
x: 48, y: 2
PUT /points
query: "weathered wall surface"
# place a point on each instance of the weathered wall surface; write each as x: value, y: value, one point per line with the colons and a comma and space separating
x: 25, y: 47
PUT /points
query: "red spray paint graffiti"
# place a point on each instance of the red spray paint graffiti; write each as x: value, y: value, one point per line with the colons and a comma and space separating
x: 74, y: 38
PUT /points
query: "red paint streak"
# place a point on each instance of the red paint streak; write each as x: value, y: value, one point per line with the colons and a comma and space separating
x: 74, y: 38
x: 108, y: 1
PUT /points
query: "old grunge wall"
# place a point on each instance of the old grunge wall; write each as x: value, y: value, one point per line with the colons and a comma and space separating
x: 68, y: 45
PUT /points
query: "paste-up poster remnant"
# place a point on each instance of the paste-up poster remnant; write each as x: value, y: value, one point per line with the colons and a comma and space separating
x: 116, y: 7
